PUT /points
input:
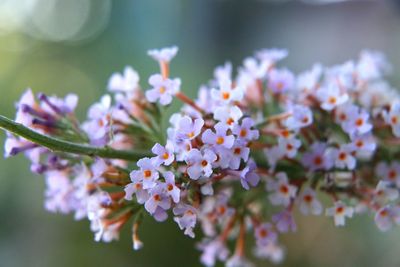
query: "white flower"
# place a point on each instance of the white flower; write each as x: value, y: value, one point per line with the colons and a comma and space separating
x: 163, y: 89
x: 163, y: 55
x: 340, y: 211
x: 331, y: 97
x: 128, y: 81
x: 393, y: 118
x: 309, y: 203
x: 282, y: 191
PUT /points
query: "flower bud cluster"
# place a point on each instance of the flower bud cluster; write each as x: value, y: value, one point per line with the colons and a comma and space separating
x: 253, y: 148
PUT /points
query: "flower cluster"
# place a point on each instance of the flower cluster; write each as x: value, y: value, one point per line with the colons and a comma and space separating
x: 238, y: 161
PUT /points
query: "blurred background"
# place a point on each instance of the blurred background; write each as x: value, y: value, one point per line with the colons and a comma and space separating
x: 58, y: 46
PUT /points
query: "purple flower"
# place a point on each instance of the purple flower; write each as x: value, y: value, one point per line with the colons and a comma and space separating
x: 221, y: 207
x: 147, y: 173
x: 136, y: 188
x: 213, y: 250
x: 270, y: 251
x: 186, y: 217
x: 301, y: 116
x: 238, y: 152
x: 223, y: 72
x: 384, y: 192
x: 200, y: 163
x: 253, y: 69
x: 265, y: 234
x: 238, y: 261
x: 248, y: 175
x: 274, y: 154
x: 188, y: 129
x: 280, y: 81
x: 128, y: 81
x: 284, y: 221
x: 289, y: 146
x: 386, y: 216
x: 224, y: 156
x: 165, y: 155
x: 27, y: 100
x: 245, y: 131
x: 358, y: 123
x: 309, y: 203
x: 163, y: 89
x: 389, y: 172
x: 317, y: 158
x: 165, y: 54
x: 307, y: 81
x: 170, y: 187
x: 226, y: 94
x: 158, y: 202
x: 343, y: 156
x: 283, y: 191
x: 345, y: 113
x: 372, y: 65
x: 393, y: 118
x: 331, y: 97
x: 98, y: 126
x: 272, y: 55
x: 363, y: 145
x: 14, y: 145
x: 59, y: 192
x: 56, y: 106
x: 340, y: 211
x: 219, y: 138
x: 228, y: 115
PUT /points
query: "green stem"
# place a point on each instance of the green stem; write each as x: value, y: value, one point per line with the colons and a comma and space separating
x: 58, y: 145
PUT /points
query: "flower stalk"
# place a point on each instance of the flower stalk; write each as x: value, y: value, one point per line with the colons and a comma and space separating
x: 58, y: 145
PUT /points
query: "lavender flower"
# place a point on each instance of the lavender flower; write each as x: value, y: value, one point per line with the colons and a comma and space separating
x: 327, y: 132
x: 128, y: 81
x: 163, y: 89
x: 219, y: 138
x: 200, y: 163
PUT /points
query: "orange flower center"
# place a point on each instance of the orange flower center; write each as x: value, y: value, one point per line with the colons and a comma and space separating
x: 305, y: 120
x: 220, y: 140
x: 392, y: 174
x: 284, y: 189
x: 221, y: 209
x: 332, y: 100
x: 279, y: 86
x: 339, y: 210
x: 359, y: 143
x: 307, y: 198
x: 383, y: 213
x: 138, y: 186
x: 263, y: 233
x: 359, y: 122
x: 157, y: 197
x: 147, y: 173
x: 318, y: 160
x: 225, y: 95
